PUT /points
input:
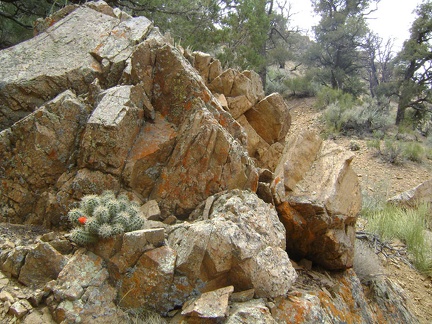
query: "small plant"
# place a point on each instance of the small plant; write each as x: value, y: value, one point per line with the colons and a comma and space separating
x: 389, y: 150
x: 392, y: 152
x: 406, y: 224
x: 327, y: 96
x: 103, y: 216
x: 414, y: 152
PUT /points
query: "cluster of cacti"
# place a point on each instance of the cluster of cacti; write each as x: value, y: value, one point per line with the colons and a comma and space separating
x: 103, y: 216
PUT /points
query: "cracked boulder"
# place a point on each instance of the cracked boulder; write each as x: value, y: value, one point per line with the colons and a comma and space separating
x: 318, y: 199
x: 81, y: 293
x: 36, y: 151
x: 235, y: 239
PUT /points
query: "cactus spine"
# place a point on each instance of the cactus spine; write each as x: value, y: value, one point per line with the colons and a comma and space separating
x: 104, y: 216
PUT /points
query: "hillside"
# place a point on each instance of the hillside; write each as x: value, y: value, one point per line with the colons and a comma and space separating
x: 380, y: 179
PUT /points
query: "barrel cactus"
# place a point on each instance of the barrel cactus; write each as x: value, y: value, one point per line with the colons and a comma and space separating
x: 103, y: 216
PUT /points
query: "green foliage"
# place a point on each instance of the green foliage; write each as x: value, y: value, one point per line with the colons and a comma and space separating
x: 408, y: 225
x: 348, y: 117
x: 302, y: 86
x: 339, y: 34
x: 414, y: 152
x: 413, y: 65
x: 389, y: 150
x: 102, y: 217
x: 327, y: 96
x: 18, y: 17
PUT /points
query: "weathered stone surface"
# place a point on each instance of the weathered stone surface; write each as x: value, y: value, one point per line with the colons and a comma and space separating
x: 42, y: 264
x: 6, y: 296
x: 210, y: 305
x: 202, y: 64
x: 256, y: 145
x: 149, y: 154
x: 59, y: 59
x: 149, y: 281
x: 133, y: 245
x: 243, y: 296
x: 238, y: 105
x: 247, y: 83
x: 253, y: 311
x: 270, y: 118
x: 300, y: 153
x: 20, y: 308
x: 82, y: 293
x: 240, y: 238
x: 417, y: 195
x: 14, y: 261
x: 320, y: 212
x: 220, y: 163
x: 115, y: 49
x: 341, y: 299
x: 37, y: 150
x: 37, y: 316
x: 150, y: 210
x: 111, y: 130
x: 223, y: 83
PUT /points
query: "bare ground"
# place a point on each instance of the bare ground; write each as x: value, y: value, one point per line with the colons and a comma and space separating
x: 386, y: 180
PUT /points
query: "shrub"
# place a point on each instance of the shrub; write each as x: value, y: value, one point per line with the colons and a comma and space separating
x: 392, y: 152
x: 327, y: 96
x: 302, y: 86
x: 388, y: 150
x: 275, y: 81
x: 414, y: 152
x: 102, y: 217
x: 346, y: 118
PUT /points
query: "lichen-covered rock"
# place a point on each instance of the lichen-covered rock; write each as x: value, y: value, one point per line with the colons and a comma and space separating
x: 148, y: 282
x: 14, y: 260
x: 36, y: 151
x: 212, y: 305
x: 242, y: 242
x: 111, y: 131
x: 42, y: 264
x: 81, y: 293
x: 320, y: 211
x: 253, y: 311
x: 60, y: 60
x: 341, y: 298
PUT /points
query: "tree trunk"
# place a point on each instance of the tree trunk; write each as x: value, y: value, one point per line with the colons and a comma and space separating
x: 400, y: 115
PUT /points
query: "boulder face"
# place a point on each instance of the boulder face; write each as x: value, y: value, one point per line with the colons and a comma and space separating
x: 421, y: 194
x: 235, y: 238
x: 310, y: 190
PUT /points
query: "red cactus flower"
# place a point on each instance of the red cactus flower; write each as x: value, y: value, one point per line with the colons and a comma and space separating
x: 82, y: 220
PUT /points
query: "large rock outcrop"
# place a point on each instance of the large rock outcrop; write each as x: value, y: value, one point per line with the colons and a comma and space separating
x: 101, y: 100
x: 142, y: 136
